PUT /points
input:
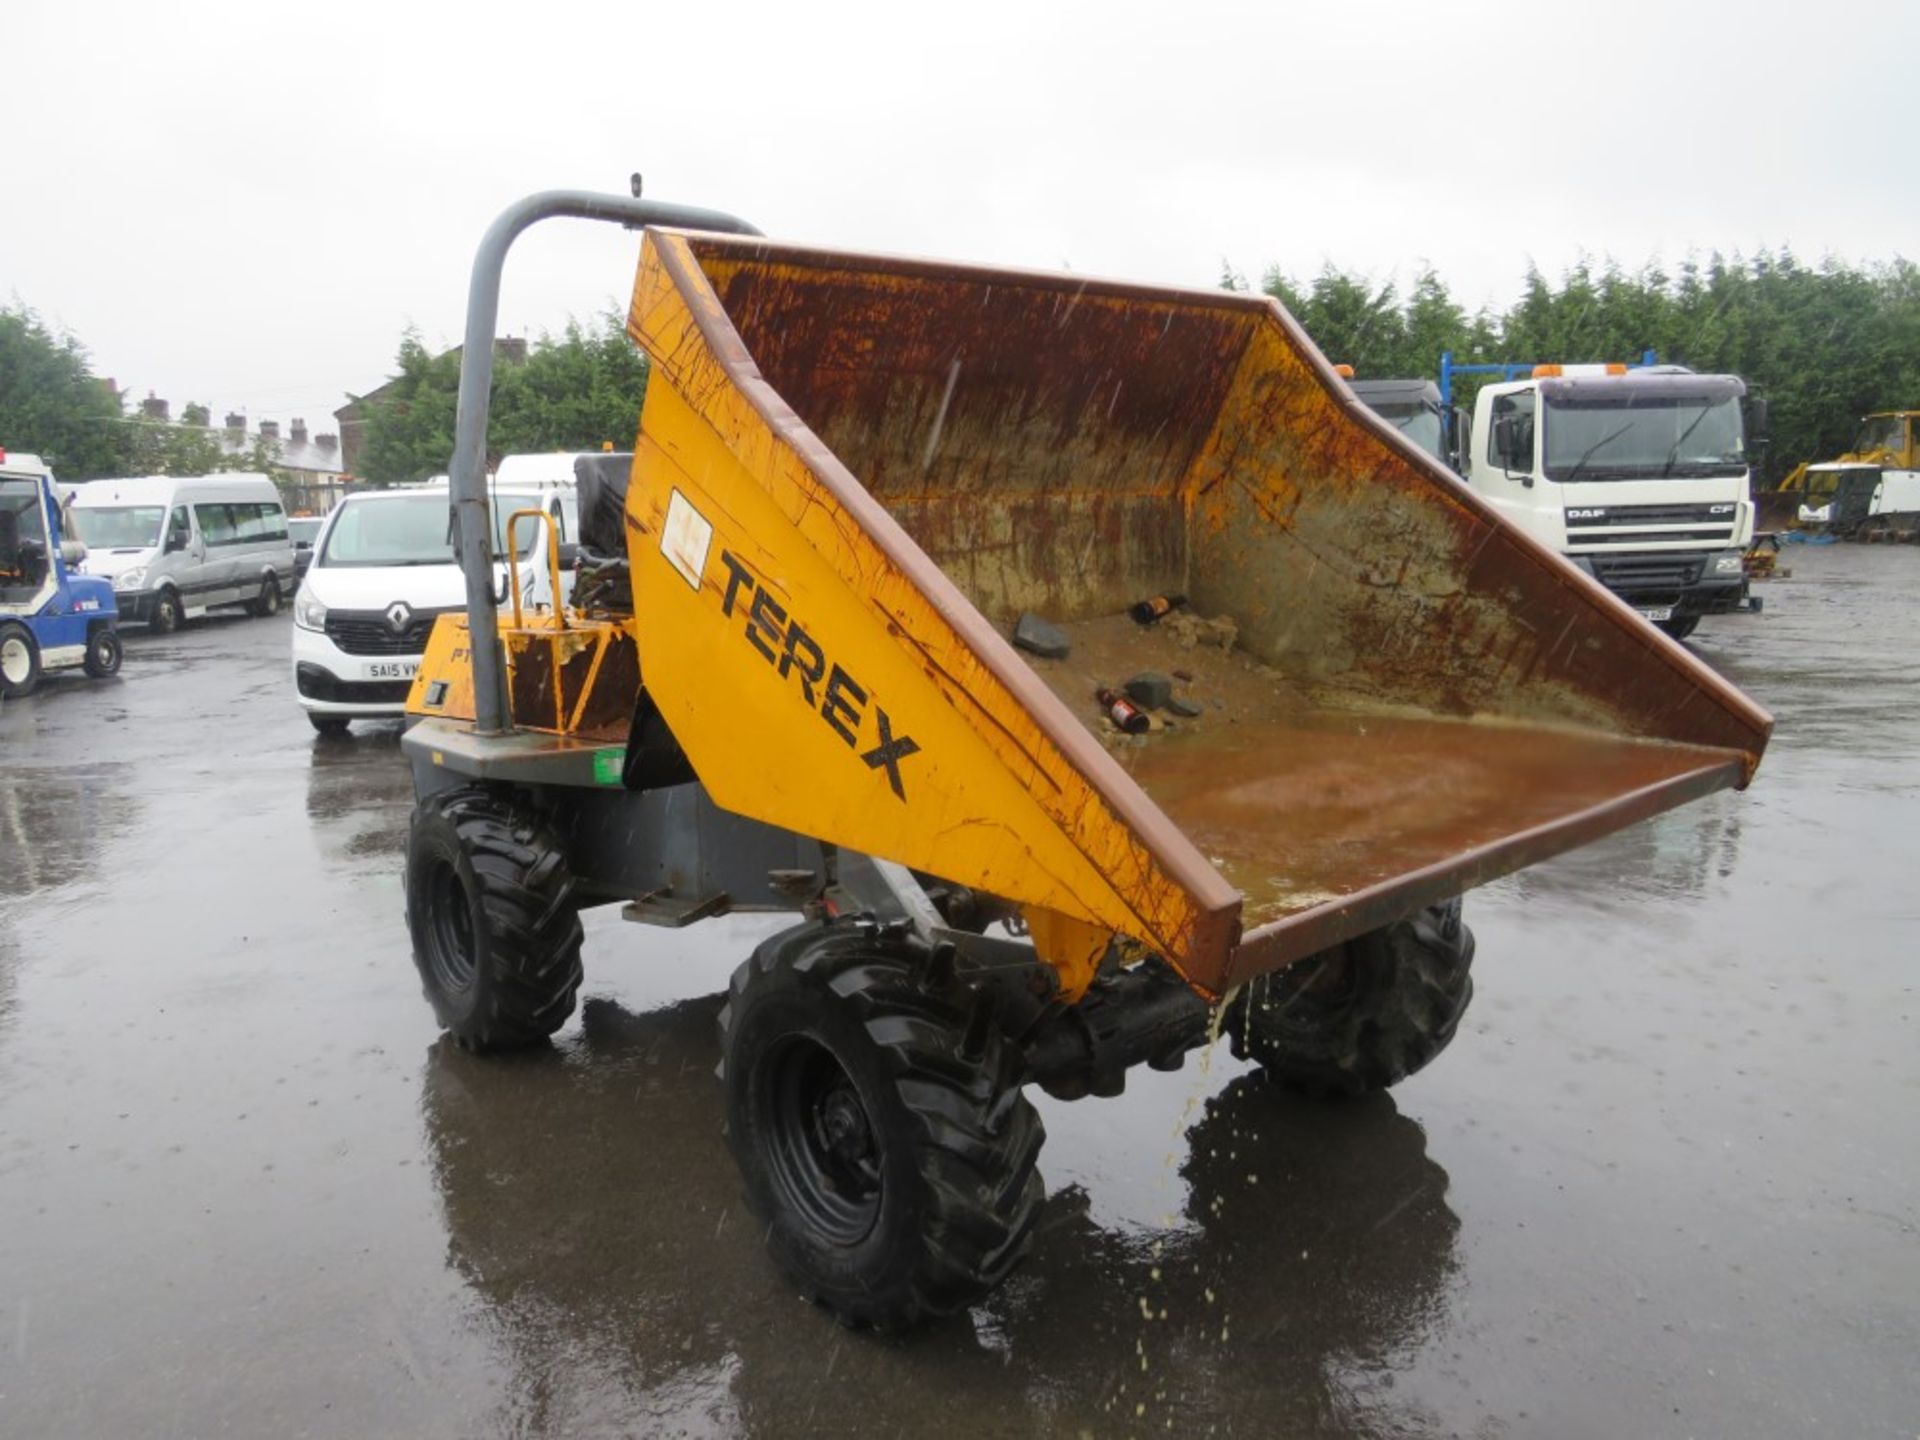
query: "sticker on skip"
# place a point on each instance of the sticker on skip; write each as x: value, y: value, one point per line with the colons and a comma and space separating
x: 685, y: 539
x: 609, y: 765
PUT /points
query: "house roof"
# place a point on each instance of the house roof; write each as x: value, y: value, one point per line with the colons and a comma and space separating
x: 306, y: 457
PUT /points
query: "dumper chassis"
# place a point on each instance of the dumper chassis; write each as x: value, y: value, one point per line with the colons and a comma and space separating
x: 768, y: 697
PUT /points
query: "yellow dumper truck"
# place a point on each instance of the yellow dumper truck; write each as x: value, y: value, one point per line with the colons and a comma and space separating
x: 787, y: 682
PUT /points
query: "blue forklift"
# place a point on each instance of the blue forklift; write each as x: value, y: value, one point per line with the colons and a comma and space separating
x: 51, y: 616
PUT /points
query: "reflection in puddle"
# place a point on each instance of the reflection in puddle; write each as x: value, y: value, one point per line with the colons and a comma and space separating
x: 590, y: 1203
x: 360, y: 786
x: 54, y: 825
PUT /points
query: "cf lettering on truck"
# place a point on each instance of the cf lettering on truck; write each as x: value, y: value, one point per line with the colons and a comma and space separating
x: 1638, y: 475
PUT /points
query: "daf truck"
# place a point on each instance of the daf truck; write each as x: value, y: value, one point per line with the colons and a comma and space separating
x: 1638, y: 475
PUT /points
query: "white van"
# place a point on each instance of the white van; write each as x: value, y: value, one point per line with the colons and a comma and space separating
x: 382, y: 572
x: 552, y: 475
x: 177, y: 546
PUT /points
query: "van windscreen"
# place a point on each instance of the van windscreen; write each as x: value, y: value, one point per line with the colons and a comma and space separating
x: 119, y: 527
x: 412, y: 530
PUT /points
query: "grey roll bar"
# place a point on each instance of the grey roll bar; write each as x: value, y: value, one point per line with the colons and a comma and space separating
x: 473, y: 535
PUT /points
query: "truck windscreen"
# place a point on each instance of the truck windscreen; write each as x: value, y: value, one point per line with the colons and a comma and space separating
x: 1418, y: 423
x: 1643, y: 437
x: 119, y: 527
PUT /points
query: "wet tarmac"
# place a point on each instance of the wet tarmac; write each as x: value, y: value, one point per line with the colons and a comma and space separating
x: 1667, y: 1181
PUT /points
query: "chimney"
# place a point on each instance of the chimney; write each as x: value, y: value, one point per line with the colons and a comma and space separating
x: 269, y: 429
x: 154, y: 408
x: 236, y: 423
x: 298, y: 432
x: 329, y: 443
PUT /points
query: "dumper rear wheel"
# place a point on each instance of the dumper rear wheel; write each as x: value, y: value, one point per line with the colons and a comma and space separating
x: 1363, y: 1015
x: 496, y: 934
x: 878, y: 1125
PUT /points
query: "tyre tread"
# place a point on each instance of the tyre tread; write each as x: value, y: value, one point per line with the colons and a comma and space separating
x: 976, y: 1140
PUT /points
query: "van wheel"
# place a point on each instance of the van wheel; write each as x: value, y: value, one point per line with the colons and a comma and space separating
x: 19, y: 662
x: 331, y: 727
x: 496, y: 933
x: 268, y: 602
x: 1680, y: 626
x: 103, y: 652
x: 165, y: 618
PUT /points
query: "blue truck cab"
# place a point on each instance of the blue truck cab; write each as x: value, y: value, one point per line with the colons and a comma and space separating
x: 51, y: 616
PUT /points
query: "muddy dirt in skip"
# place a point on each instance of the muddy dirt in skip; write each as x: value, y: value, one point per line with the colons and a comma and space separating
x: 1661, y: 1185
x: 1297, y: 803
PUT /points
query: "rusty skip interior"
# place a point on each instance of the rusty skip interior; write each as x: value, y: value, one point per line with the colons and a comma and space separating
x: 1069, y: 447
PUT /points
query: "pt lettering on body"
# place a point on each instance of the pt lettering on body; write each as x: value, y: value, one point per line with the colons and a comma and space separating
x: 824, y: 685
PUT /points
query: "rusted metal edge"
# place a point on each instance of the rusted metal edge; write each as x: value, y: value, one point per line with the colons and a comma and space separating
x: 1210, y: 942
x: 1281, y: 942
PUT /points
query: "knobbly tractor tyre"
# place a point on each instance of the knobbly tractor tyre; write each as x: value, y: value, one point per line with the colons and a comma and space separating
x: 103, y: 652
x: 19, y: 662
x: 877, y: 1119
x: 496, y: 933
x: 1363, y: 1015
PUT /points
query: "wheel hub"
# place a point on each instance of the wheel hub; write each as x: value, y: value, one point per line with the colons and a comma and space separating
x: 842, y: 1124
x: 13, y: 660
x: 822, y: 1150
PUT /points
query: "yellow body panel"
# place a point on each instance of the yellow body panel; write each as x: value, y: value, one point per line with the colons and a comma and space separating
x: 815, y: 687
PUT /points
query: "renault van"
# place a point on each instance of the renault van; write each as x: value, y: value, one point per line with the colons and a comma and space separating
x: 382, y: 572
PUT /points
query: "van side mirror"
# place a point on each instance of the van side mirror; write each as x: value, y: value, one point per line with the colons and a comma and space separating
x: 176, y: 540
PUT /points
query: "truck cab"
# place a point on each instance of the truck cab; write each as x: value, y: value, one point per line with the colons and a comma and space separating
x: 1638, y: 476
x: 51, y: 616
x: 1412, y: 407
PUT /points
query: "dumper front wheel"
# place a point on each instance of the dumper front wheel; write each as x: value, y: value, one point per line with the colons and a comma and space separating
x: 878, y: 1125
x: 1361, y: 1016
x: 496, y: 935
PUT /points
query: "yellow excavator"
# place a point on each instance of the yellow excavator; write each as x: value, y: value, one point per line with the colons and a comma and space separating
x: 1885, y: 454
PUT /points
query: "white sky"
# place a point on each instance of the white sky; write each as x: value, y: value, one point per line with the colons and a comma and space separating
x: 243, y: 205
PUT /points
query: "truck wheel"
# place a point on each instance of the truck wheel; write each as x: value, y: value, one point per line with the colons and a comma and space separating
x: 1680, y: 626
x: 490, y: 906
x: 878, y: 1123
x: 19, y: 662
x: 1363, y: 1015
x: 164, y: 619
x: 268, y: 601
x: 103, y: 652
